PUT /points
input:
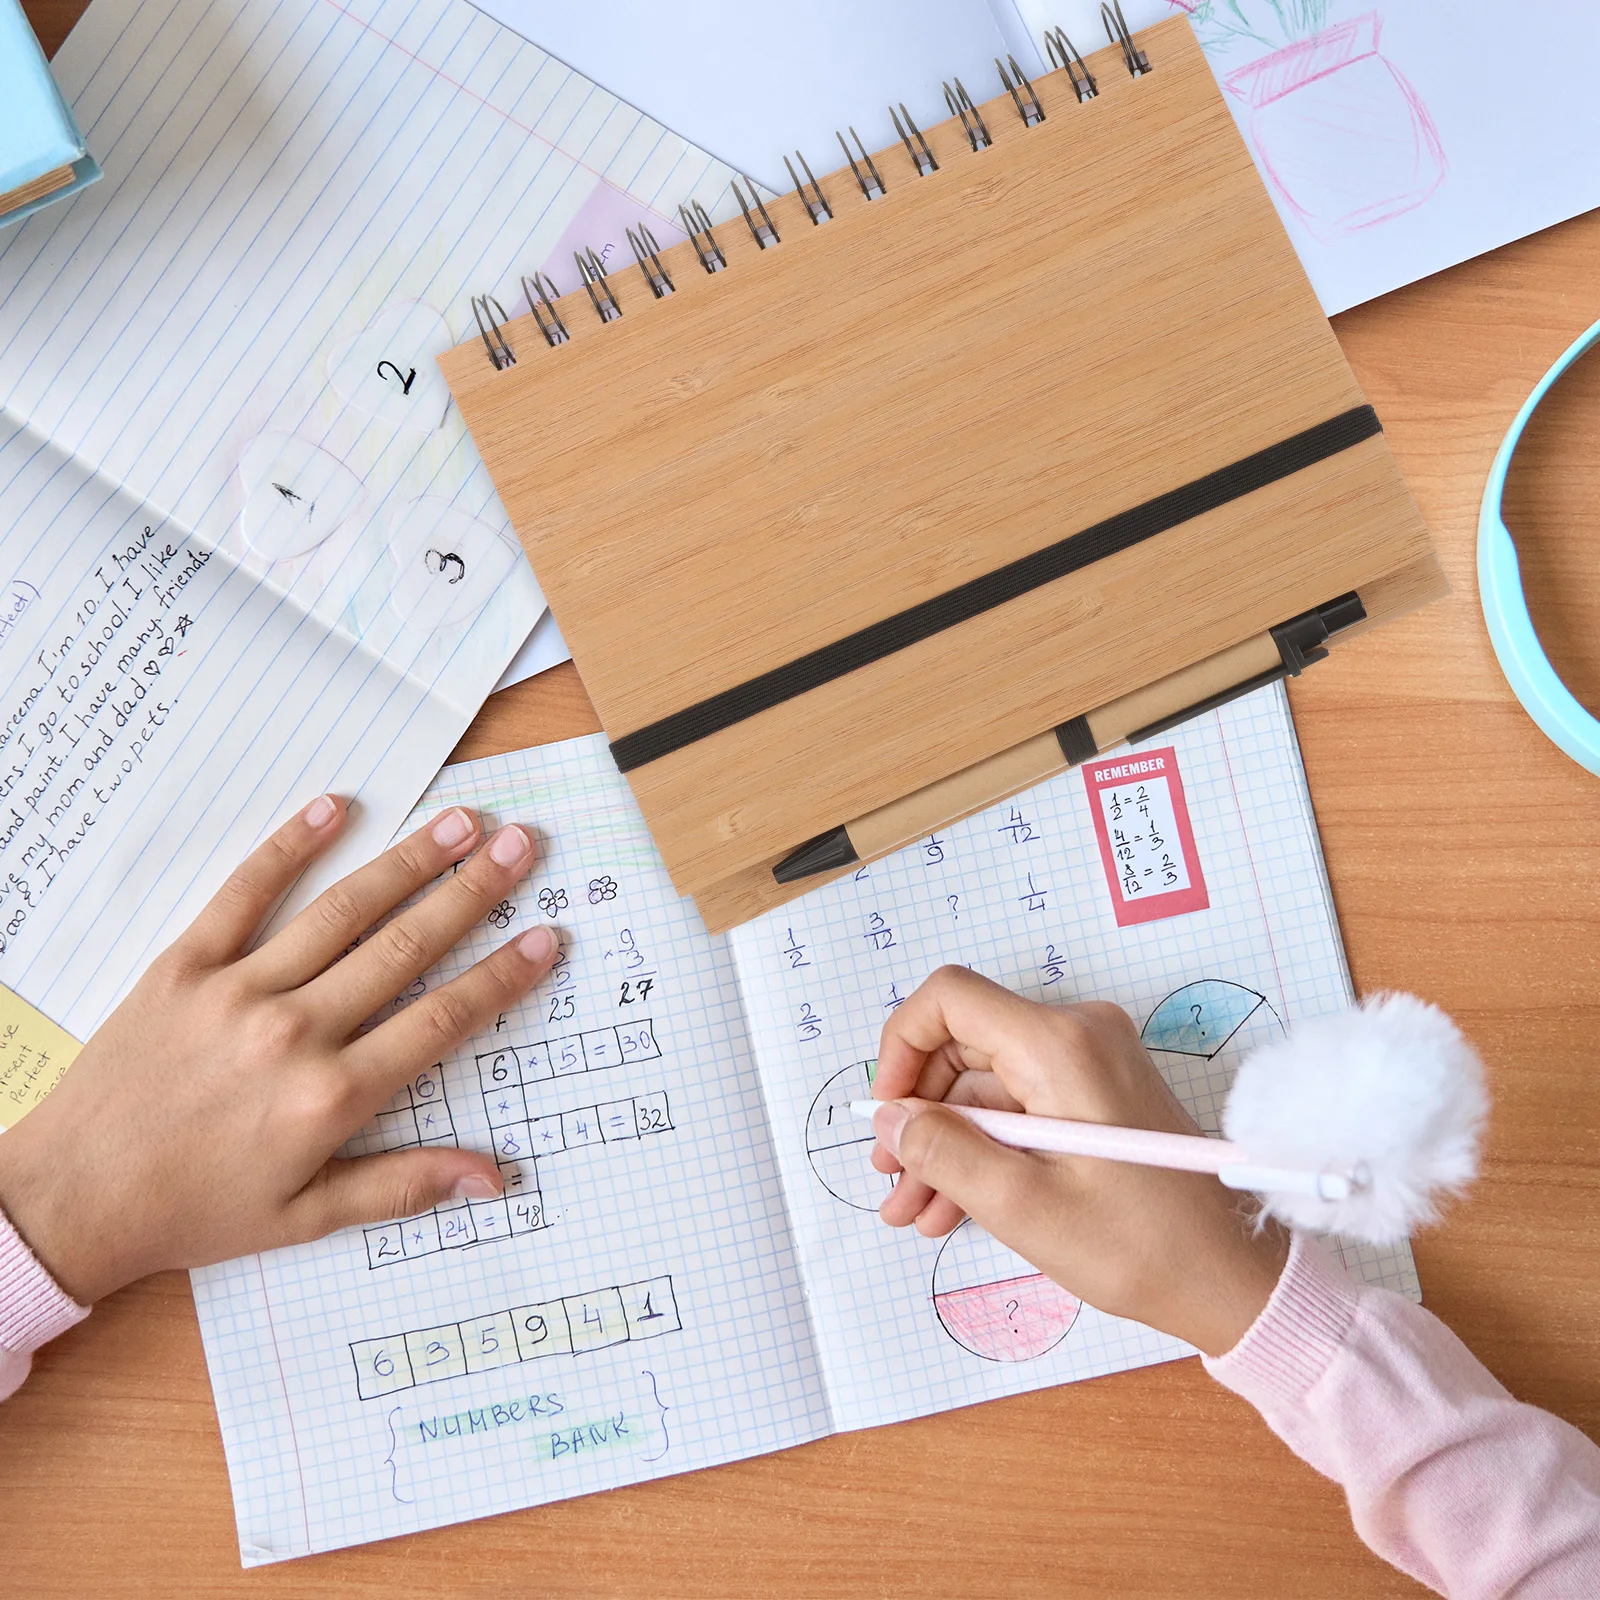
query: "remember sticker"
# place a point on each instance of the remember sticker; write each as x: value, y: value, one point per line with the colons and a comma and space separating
x: 1142, y: 823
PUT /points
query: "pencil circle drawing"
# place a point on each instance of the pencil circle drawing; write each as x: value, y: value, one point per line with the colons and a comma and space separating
x: 839, y: 1143
x: 993, y: 1303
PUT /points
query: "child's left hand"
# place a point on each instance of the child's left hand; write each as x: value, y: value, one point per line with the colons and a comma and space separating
x: 199, y: 1123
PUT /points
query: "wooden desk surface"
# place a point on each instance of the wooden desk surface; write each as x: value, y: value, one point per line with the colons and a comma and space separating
x: 1465, y: 857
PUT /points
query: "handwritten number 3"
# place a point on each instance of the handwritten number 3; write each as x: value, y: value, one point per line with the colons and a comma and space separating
x: 405, y: 380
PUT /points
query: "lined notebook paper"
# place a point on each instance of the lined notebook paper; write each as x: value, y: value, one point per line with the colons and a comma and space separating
x: 686, y: 1267
x: 248, y: 553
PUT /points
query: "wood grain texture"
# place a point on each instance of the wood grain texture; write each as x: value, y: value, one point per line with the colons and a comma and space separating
x: 1040, y: 335
x: 1464, y: 852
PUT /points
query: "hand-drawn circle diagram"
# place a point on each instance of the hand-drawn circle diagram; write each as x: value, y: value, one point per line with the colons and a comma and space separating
x: 1204, y: 1017
x: 993, y: 1303
x: 1195, y: 1025
x: 839, y: 1143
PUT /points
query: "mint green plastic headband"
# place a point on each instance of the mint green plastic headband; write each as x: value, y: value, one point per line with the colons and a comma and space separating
x: 1533, y: 680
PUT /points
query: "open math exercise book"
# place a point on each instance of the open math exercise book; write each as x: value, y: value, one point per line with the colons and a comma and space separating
x: 686, y: 1266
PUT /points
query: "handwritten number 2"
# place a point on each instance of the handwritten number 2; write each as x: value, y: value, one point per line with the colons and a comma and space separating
x: 405, y: 380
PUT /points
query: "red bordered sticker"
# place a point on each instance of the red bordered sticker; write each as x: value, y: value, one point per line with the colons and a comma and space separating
x: 1146, y: 843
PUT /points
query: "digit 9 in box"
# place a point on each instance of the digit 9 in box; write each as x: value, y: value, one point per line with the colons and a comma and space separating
x: 1142, y: 822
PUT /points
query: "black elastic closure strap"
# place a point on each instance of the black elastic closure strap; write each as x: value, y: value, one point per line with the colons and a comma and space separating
x: 1077, y: 741
x: 978, y: 595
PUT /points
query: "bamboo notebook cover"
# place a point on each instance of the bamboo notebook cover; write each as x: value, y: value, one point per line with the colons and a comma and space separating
x: 891, y: 491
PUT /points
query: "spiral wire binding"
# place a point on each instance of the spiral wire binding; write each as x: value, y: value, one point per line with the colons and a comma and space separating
x: 541, y: 292
x: 593, y: 274
x: 870, y: 180
x: 1064, y: 54
x: 491, y: 316
x: 812, y: 198
x: 972, y: 123
x: 761, y: 231
x: 921, y: 155
x: 648, y: 254
x: 1015, y: 82
x: 494, y: 338
x: 1137, y: 62
x: 697, y: 225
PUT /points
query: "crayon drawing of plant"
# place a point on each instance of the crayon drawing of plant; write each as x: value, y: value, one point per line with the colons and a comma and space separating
x: 1337, y: 130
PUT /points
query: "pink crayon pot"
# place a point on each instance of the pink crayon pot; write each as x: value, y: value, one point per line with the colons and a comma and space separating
x: 1339, y: 133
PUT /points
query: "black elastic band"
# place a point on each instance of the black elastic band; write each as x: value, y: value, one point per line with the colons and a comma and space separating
x: 1077, y: 741
x: 973, y: 598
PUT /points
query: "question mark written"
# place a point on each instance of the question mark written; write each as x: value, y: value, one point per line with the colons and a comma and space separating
x: 954, y: 899
x: 1196, y: 1010
x: 1012, y: 1307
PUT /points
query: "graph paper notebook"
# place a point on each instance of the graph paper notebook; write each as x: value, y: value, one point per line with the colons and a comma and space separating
x: 247, y: 551
x: 686, y: 1267
x: 943, y: 451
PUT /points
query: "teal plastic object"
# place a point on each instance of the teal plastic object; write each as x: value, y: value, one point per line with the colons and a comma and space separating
x: 1533, y: 680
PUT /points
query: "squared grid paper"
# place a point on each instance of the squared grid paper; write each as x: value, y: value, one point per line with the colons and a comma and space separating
x: 800, y: 1314
x: 1019, y: 893
x: 287, y: 184
x: 314, y: 1466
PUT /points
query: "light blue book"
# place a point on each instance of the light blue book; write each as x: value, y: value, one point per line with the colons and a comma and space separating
x: 39, y: 142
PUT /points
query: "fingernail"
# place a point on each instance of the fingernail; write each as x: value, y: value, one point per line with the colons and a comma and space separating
x: 453, y: 828
x: 538, y: 944
x: 321, y: 812
x: 888, y: 1122
x: 510, y: 846
x: 474, y: 1186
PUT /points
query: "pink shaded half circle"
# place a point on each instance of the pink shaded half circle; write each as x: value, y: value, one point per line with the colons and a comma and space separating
x: 1015, y: 1319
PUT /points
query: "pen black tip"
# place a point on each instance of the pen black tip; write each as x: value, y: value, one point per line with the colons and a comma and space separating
x: 822, y: 854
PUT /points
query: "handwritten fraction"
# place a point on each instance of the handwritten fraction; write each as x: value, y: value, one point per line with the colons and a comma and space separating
x: 575, y: 1325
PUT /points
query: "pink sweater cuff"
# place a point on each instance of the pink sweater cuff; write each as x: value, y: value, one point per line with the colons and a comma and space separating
x: 34, y: 1308
x: 1299, y: 1332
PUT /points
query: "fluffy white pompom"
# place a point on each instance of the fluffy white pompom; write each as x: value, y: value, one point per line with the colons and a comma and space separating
x: 1391, y: 1085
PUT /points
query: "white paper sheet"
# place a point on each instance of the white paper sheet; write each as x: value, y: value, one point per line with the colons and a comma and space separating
x: 668, y: 1112
x: 1397, y: 137
x: 623, y: 1107
x: 225, y: 351
x: 753, y: 83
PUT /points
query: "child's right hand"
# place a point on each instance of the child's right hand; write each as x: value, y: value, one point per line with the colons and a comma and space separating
x: 1174, y: 1250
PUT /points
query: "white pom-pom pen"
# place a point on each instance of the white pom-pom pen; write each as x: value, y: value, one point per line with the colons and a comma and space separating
x: 1183, y: 1152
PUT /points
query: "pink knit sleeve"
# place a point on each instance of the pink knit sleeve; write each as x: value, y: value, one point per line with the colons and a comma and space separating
x: 1447, y: 1476
x: 33, y: 1308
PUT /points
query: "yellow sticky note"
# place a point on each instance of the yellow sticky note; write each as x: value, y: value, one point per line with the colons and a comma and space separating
x: 34, y: 1053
